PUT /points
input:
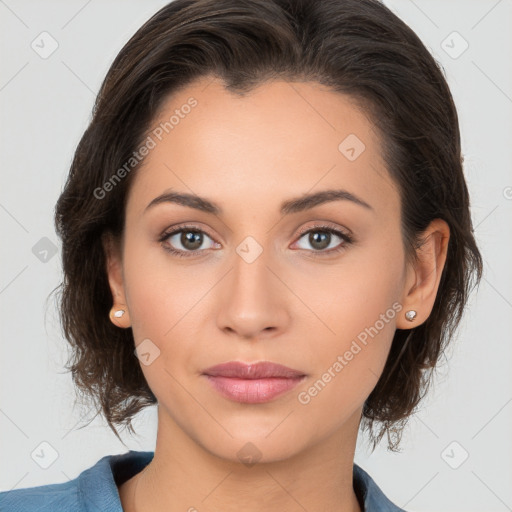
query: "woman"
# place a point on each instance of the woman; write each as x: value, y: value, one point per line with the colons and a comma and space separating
x: 266, y: 232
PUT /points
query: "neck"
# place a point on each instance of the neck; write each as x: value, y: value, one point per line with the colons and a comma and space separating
x: 183, y: 475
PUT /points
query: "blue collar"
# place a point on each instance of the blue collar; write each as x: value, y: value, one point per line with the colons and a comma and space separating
x: 96, y: 489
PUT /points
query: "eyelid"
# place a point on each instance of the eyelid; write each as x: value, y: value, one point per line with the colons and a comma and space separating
x: 182, y: 227
x: 326, y: 225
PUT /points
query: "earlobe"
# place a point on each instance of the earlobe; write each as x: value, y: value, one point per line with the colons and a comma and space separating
x: 119, y: 316
x: 431, y: 258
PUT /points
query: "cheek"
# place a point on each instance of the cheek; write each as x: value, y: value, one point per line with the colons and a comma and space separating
x: 166, y: 302
x: 160, y: 293
x: 361, y: 314
x: 348, y: 367
x: 357, y: 300
x: 365, y: 287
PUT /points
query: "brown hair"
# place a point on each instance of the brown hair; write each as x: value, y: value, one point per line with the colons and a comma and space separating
x: 358, y: 48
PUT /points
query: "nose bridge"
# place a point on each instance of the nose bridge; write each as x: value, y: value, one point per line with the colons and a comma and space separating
x: 251, y: 301
x: 251, y: 277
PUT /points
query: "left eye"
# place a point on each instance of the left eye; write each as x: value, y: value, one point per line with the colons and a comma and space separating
x: 321, y: 238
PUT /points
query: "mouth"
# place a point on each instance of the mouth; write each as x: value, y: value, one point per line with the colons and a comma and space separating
x: 252, y: 383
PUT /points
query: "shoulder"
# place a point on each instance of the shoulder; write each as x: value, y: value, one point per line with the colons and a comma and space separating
x: 370, y: 494
x: 94, y: 489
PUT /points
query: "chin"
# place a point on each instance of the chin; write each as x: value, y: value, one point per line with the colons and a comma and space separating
x: 258, y: 448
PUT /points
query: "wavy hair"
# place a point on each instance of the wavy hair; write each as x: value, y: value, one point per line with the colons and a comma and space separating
x: 358, y: 48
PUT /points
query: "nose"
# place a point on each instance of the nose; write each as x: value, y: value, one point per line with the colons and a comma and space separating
x: 253, y: 301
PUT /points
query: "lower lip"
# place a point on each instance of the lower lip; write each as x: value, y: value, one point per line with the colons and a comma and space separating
x: 253, y: 391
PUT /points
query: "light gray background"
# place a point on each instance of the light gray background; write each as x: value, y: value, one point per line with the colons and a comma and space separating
x: 46, y: 105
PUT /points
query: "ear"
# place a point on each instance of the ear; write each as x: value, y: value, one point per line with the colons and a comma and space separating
x: 114, y: 268
x: 424, y: 276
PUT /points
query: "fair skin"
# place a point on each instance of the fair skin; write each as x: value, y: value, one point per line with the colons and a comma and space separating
x: 248, y: 155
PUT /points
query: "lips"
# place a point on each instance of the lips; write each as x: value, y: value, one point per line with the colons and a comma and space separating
x: 260, y: 370
x: 252, y: 383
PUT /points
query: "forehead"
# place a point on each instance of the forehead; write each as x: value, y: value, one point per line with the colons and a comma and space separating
x: 280, y: 140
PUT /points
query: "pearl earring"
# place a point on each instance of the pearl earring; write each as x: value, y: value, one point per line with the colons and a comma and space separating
x: 410, y: 315
x: 119, y: 317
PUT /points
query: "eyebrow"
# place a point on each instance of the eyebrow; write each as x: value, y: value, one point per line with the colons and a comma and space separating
x: 290, y: 206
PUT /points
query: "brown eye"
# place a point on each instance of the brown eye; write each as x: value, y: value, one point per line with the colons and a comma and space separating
x: 323, y: 240
x: 185, y: 241
x: 319, y: 239
x: 191, y: 240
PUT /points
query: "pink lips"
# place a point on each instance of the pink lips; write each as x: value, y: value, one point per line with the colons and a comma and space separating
x: 252, y: 383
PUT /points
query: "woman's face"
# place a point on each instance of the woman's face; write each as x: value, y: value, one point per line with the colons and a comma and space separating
x: 251, y: 286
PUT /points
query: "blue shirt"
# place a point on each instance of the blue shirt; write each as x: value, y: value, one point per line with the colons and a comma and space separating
x: 96, y: 489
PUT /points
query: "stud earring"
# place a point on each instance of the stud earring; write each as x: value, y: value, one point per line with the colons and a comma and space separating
x: 410, y: 315
x: 117, y: 314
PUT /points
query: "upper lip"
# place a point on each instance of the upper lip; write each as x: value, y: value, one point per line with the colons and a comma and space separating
x: 259, y: 370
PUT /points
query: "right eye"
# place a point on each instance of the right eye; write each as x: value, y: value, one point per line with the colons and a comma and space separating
x: 190, y: 238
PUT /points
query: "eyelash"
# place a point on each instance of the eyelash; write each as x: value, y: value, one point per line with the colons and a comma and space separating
x: 348, y: 239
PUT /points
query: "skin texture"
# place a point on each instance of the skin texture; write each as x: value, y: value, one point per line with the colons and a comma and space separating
x: 248, y: 155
